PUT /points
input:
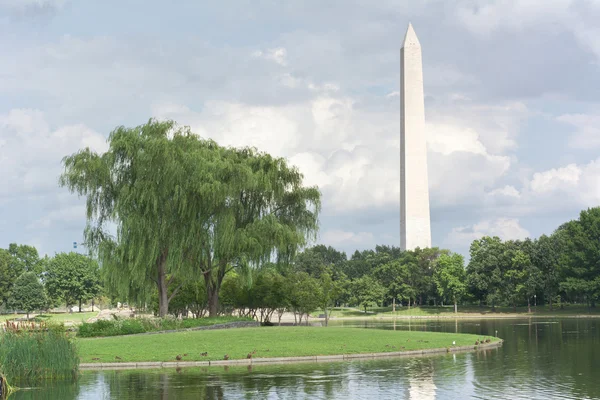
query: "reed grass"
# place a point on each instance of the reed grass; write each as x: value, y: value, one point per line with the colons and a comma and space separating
x: 5, y: 389
x: 32, y: 352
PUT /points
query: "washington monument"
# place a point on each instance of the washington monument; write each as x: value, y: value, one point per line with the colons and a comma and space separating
x: 415, y: 230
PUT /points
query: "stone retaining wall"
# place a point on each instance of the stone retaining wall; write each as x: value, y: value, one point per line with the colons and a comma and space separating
x: 280, y: 360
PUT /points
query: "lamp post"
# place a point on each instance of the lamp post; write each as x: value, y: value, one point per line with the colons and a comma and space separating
x: 535, y: 301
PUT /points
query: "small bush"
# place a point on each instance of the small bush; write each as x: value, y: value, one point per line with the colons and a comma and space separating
x: 103, y: 328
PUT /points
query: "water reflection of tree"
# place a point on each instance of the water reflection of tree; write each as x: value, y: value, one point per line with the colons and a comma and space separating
x: 551, y: 358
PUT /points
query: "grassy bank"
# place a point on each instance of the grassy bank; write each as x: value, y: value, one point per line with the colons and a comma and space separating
x: 262, y: 342
x: 464, y: 311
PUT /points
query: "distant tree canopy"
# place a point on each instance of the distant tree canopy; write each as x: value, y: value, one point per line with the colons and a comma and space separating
x: 72, y: 278
x: 14, y: 261
x: 28, y: 294
x: 185, y: 208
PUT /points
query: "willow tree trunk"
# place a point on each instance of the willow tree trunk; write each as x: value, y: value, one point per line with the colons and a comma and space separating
x: 213, y: 301
x: 161, y: 281
x: 455, y: 306
x: 528, y: 305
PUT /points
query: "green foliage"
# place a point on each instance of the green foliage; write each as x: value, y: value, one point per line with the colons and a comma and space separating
x: 72, y: 278
x: 367, y: 292
x: 190, y: 298
x: 581, y: 258
x: 14, y: 261
x: 450, y: 277
x: 186, y: 207
x: 35, y: 355
x: 303, y: 294
x: 26, y: 258
x: 119, y: 327
x: 27, y: 294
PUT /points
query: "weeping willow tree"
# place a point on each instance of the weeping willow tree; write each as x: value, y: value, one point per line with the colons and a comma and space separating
x: 260, y: 212
x: 164, y: 206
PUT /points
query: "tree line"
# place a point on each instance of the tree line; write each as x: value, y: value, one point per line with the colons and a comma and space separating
x: 553, y: 269
x: 563, y: 267
x: 29, y: 282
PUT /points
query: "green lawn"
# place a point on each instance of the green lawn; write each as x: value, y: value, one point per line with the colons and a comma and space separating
x: 462, y: 311
x: 66, y: 317
x: 266, y: 341
x: 4, y: 317
x: 56, y: 317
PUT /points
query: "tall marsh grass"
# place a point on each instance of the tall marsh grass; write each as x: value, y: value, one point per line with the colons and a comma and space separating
x: 33, y: 352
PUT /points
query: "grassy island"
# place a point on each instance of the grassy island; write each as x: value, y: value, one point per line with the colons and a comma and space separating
x: 263, y: 343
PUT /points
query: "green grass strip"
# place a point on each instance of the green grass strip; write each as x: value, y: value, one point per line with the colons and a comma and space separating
x: 263, y: 342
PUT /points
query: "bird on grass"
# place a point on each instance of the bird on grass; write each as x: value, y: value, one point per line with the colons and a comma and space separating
x: 178, y: 357
x: 249, y: 355
x: 118, y: 358
x: 226, y: 357
x: 204, y: 354
x: 454, y: 343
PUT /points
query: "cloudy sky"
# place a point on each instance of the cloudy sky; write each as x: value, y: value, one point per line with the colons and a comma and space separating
x: 512, y: 104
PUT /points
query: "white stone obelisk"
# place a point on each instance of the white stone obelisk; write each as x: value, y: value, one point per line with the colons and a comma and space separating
x: 415, y: 230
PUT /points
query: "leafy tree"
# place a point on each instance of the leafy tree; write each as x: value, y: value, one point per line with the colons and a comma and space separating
x: 395, y: 277
x: 581, y: 258
x: 26, y: 257
x: 72, y: 278
x: 367, y: 292
x: 515, y: 277
x: 331, y: 290
x: 304, y: 293
x: 28, y: 294
x: 186, y: 207
x: 8, y: 275
x: 427, y: 262
x: 317, y: 259
x: 190, y: 298
x: 486, y: 267
x: 546, y: 259
x: 450, y: 277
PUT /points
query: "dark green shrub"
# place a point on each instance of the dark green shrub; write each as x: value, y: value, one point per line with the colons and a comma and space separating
x: 119, y: 327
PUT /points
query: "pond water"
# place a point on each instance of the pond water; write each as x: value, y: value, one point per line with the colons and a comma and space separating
x: 540, y: 359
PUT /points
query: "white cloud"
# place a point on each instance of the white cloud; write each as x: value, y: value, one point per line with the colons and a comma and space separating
x: 588, y: 130
x: 31, y: 155
x: 504, y: 228
x: 341, y: 238
x: 20, y: 5
x: 277, y: 55
x: 521, y: 16
x: 570, y: 186
x: 556, y: 178
x: 507, y: 191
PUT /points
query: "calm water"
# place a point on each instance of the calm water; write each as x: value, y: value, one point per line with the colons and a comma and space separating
x: 540, y: 359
